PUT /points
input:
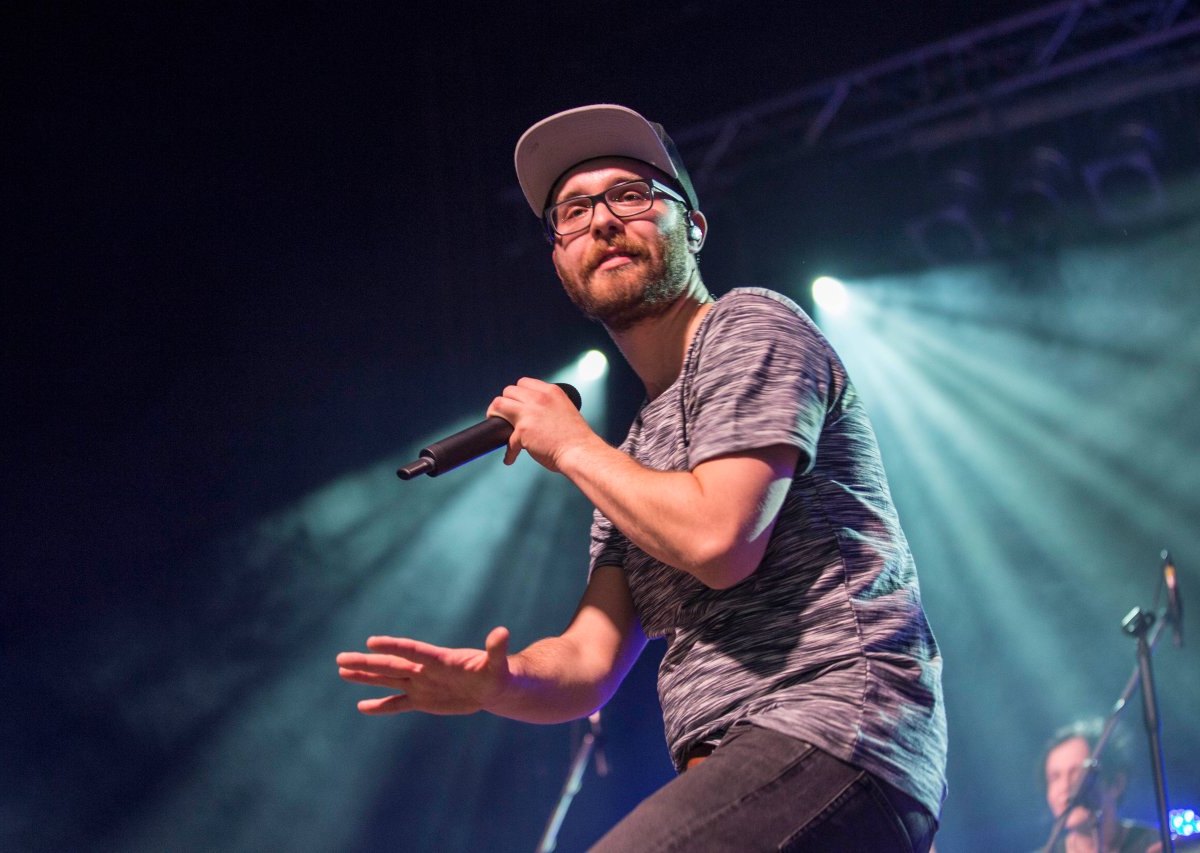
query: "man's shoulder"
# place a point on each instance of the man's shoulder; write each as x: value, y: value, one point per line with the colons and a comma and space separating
x: 1137, y: 837
x: 749, y: 298
x: 759, y: 305
x: 746, y: 315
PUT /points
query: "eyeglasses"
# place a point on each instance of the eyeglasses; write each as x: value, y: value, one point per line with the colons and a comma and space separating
x: 626, y: 199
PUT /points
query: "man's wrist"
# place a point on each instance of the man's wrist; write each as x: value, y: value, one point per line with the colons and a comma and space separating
x: 497, y: 701
x: 572, y: 459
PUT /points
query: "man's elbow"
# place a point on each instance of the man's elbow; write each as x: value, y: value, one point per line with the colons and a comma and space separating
x: 723, y: 562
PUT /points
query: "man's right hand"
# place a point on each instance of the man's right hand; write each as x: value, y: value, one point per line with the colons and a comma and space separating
x: 429, y: 678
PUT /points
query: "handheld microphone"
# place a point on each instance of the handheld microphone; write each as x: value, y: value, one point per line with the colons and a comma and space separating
x: 1174, y: 601
x: 471, y: 443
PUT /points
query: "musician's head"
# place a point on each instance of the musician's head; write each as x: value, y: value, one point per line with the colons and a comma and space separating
x: 1063, y: 763
x: 618, y: 208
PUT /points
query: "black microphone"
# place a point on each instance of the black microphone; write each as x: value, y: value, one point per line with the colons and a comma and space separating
x: 468, y: 444
x: 1174, y: 601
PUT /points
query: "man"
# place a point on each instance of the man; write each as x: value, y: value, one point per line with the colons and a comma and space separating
x: 1093, y: 826
x: 745, y: 519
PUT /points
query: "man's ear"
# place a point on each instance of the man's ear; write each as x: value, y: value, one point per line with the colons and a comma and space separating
x: 554, y: 260
x: 697, y: 230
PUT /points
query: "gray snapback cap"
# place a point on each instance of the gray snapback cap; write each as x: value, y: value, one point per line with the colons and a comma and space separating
x: 566, y: 139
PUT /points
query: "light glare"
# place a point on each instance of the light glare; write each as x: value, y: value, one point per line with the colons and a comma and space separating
x: 830, y: 295
x: 593, y: 364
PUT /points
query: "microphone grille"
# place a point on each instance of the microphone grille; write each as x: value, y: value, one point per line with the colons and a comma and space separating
x: 571, y: 392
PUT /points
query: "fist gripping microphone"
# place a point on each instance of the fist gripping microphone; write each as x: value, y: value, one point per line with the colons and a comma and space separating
x: 471, y: 443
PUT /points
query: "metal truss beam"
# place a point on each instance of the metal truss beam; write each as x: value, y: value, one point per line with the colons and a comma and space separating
x: 1066, y: 58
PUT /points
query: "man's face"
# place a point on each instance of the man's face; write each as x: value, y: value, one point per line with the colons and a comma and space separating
x: 621, y: 272
x: 1064, y: 767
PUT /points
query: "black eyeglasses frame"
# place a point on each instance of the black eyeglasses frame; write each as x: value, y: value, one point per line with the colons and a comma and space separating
x: 657, y: 188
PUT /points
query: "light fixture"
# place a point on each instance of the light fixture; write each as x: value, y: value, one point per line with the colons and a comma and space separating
x: 950, y: 233
x: 593, y: 364
x: 1033, y: 208
x: 830, y: 295
x: 1124, y: 184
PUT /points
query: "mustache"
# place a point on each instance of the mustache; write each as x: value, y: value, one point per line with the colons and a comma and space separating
x: 618, y: 244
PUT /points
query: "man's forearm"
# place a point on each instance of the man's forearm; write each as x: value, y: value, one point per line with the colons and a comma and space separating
x: 716, y: 535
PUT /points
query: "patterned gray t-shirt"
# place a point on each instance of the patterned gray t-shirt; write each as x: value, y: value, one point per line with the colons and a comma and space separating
x: 827, y: 640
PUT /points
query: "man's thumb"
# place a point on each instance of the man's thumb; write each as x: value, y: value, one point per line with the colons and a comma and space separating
x: 497, y: 647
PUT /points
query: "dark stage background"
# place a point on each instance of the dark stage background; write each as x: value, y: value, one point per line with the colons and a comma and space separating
x: 258, y: 254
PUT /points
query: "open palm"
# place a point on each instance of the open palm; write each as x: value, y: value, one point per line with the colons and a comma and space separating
x: 429, y: 678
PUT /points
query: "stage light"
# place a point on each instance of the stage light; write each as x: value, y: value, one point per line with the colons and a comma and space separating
x: 1184, y: 823
x: 950, y: 231
x: 1035, y: 202
x: 830, y: 295
x: 948, y: 236
x: 1125, y: 186
x: 593, y: 364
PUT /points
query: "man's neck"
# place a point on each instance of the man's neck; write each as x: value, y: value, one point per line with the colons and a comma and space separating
x: 655, y: 348
x: 1096, y: 832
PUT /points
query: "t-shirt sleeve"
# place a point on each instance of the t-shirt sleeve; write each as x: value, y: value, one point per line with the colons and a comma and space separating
x: 609, y: 545
x: 763, y: 377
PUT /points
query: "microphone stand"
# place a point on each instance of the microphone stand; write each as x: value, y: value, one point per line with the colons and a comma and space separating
x: 1136, y: 624
x: 591, y: 742
x: 1142, y: 623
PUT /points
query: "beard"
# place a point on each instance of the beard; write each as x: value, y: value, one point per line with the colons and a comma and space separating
x: 642, y: 289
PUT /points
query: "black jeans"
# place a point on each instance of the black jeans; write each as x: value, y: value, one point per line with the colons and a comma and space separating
x: 761, y: 790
